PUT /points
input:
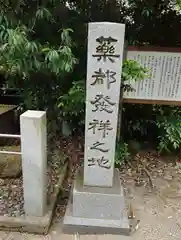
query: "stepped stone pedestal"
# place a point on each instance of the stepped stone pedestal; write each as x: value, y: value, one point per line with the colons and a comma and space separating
x: 96, y: 209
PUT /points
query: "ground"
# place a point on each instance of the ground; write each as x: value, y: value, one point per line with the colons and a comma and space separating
x: 11, y: 189
x: 158, y: 209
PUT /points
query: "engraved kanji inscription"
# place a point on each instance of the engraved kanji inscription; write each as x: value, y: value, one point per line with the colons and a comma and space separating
x: 106, y: 49
x: 99, y: 146
x: 101, y: 77
x: 102, y: 103
x: 93, y: 125
x: 101, y: 162
x: 104, y: 126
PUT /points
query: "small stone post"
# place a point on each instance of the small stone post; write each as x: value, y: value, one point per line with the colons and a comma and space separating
x: 34, y: 161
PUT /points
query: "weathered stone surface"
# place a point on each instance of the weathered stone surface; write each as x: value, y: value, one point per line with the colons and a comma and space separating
x: 28, y: 224
x: 96, y: 209
x: 34, y: 161
x: 10, y: 165
x: 96, y: 202
x: 104, y: 66
x: 86, y: 225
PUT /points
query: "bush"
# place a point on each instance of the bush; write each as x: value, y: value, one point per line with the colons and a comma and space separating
x: 30, y: 59
x: 122, y: 154
x: 72, y: 104
x: 169, y: 128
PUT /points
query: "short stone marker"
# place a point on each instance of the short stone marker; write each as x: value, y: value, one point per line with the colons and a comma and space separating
x: 34, y: 162
x: 97, y: 201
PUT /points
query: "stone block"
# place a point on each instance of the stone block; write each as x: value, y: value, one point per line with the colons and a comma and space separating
x: 85, y: 225
x: 98, y: 202
x: 104, y: 66
x: 96, y: 209
x: 34, y: 161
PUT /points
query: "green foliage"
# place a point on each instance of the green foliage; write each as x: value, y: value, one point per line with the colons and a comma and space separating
x: 158, y: 125
x: 177, y: 5
x: 138, y: 122
x: 169, y: 125
x: 72, y: 104
x: 122, y: 154
x: 132, y: 72
x: 19, y: 55
x: 170, y: 134
x: 36, y: 52
x: 38, y: 56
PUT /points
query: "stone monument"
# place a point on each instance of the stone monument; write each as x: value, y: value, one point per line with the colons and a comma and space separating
x: 97, y: 202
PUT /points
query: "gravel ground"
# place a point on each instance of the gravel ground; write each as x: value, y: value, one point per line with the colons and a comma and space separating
x: 139, y: 176
x: 11, y: 190
x: 157, y: 208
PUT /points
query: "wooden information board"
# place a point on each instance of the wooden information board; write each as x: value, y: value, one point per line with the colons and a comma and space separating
x: 164, y: 83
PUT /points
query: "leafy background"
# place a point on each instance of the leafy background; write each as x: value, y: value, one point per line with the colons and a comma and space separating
x: 43, y: 55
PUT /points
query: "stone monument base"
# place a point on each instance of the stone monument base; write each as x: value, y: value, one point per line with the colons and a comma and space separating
x: 96, y: 210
